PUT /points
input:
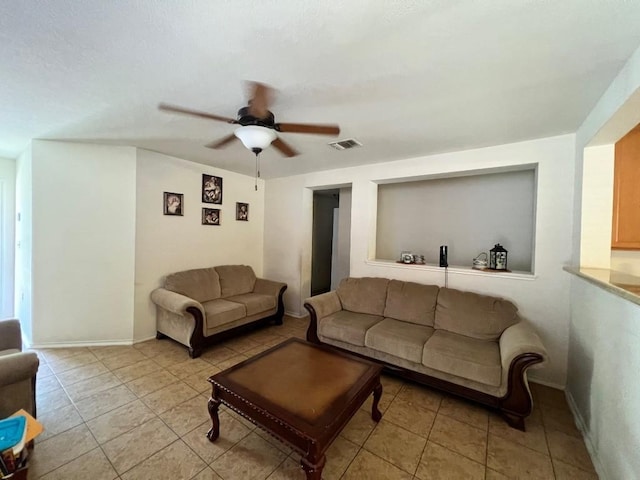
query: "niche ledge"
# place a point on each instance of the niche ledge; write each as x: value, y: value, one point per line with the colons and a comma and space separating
x: 452, y: 270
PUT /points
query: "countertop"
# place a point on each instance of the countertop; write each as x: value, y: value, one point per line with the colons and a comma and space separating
x: 618, y: 283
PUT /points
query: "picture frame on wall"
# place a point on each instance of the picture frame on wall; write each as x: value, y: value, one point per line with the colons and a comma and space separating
x: 210, y: 216
x: 242, y: 211
x: 173, y: 203
x: 211, y: 189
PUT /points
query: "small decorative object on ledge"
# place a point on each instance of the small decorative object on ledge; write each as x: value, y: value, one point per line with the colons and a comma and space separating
x: 498, y: 258
x: 172, y: 203
x: 406, y: 257
x: 242, y: 211
x: 480, y: 262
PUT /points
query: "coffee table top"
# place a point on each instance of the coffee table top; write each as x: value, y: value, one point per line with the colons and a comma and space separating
x: 301, y: 380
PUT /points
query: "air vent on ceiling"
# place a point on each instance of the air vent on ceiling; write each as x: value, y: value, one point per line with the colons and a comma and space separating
x: 346, y: 144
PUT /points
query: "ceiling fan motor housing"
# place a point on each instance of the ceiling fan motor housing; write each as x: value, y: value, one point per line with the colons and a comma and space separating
x: 245, y: 118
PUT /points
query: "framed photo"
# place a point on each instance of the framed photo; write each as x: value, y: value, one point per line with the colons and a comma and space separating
x: 211, y: 189
x: 242, y: 211
x: 172, y: 203
x: 210, y: 216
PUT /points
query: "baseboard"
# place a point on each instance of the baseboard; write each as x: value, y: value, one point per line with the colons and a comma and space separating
x: 140, y: 340
x: 296, y: 315
x: 98, y: 343
x: 587, y: 438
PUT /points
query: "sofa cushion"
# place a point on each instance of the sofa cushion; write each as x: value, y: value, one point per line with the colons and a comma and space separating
x: 347, y: 326
x: 401, y: 339
x: 255, y: 302
x: 470, y: 358
x: 473, y: 315
x: 363, y: 295
x: 236, y: 279
x: 222, y: 311
x: 411, y: 302
x: 201, y: 284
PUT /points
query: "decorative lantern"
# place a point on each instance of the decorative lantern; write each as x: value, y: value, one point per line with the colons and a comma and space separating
x: 498, y: 258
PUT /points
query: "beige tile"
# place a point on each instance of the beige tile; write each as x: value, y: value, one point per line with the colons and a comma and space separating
x: 549, y: 396
x: 191, y: 367
x: 230, y: 362
x: 59, y: 420
x: 533, y: 438
x: 267, y: 336
x: 207, y: 474
x: 414, y: 418
x: 171, y: 357
x: 466, y: 412
x: 559, y: 419
x: 339, y: 455
x: 76, y: 375
x: 137, y: 370
x: 419, y: 395
x: 153, y: 348
x: 367, y: 465
x: 91, y: 386
x: 569, y: 449
x: 51, y: 401
x: 439, y: 463
x: 251, y: 458
x: 247, y: 423
x: 217, y: 354
x: 493, y: 475
x: 119, y: 421
x: 186, y: 416
x: 92, y: 465
x: 396, y: 445
x: 231, y: 432
x: 460, y: 437
x: 199, y: 382
x: 241, y: 344
x: 359, y: 427
x: 133, y: 447
x: 59, y: 365
x: 44, y: 371
x: 168, y: 397
x: 565, y: 471
x: 110, y: 350
x: 124, y: 359
x: 291, y: 469
x: 103, y: 402
x: 151, y: 383
x: 53, y: 354
x: 516, y: 461
x: 173, y: 462
x: 391, y: 385
x: 273, y: 441
x: 47, y: 384
x: 383, y: 405
x: 59, y: 450
x: 255, y: 351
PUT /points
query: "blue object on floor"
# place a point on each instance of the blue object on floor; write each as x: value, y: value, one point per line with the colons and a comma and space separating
x: 12, y: 431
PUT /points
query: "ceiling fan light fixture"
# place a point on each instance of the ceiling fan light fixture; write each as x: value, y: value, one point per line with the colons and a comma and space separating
x: 254, y: 137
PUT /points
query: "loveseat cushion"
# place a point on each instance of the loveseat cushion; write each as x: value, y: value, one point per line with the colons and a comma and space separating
x: 220, y: 311
x: 401, y: 339
x: 363, y: 295
x: 236, y: 279
x: 255, y: 302
x: 473, y: 315
x: 348, y: 327
x: 470, y: 358
x: 411, y: 302
x: 200, y: 284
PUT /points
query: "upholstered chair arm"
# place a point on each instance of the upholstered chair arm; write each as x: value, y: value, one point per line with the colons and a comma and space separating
x: 324, y: 304
x: 174, y: 302
x: 16, y: 367
x: 268, y: 287
x: 517, y: 340
x: 10, y: 337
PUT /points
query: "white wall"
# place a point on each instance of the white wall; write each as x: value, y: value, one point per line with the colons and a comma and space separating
x: 166, y: 244
x: 543, y: 299
x: 7, y: 235
x: 23, y: 252
x: 83, y: 243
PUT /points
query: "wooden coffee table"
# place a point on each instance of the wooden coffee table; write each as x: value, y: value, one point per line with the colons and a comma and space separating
x: 301, y: 393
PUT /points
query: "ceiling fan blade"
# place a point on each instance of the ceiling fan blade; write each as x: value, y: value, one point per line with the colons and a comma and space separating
x: 260, y: 99
x: 223, y: 142
x: 195, y: 113
x: 308, y: 128
x: 286, y: 149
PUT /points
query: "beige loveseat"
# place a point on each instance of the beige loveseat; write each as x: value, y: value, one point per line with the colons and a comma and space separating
x: 206, y: 305
x: 471, y: 345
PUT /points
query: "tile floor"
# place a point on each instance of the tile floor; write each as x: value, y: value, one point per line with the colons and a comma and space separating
x: 140, y: 412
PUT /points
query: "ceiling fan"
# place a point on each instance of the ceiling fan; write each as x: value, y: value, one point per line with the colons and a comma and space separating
x: 258, y: 127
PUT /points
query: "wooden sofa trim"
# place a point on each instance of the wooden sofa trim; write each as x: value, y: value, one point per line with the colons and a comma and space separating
x: 514, y: 407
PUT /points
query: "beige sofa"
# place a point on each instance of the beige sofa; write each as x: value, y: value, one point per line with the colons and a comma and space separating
x: 17, y: 372
x: 471, y: 345
x: 206, y: 305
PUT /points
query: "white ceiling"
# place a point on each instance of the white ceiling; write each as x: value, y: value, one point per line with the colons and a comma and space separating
x: 406, y: 78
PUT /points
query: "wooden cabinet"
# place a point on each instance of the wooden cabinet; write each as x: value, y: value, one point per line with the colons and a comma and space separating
x: 626, y: 193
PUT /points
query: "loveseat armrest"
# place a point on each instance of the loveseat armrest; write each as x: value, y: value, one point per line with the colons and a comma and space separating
x: 517, y: 340
x: 269, y: 287
x: 319, y: 307
x: 174, y: 302
x: 10, y: 337
x: 16, y: 367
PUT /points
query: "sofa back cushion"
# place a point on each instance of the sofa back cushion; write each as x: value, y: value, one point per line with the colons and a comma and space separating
x: 363, y: 295
x: 236, y: 279
x: 411, y: 302
x: 201, y: 284
x: 473, y: 315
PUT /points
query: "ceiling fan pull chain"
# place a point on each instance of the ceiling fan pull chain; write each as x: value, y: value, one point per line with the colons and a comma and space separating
x: 257, y: 172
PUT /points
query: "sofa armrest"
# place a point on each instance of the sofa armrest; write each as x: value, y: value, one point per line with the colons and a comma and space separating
x: 174, y: 302
x: 517, y: 340
x: 268, y: 287
x: 16, y: 367
x: 10, y: 336
x: 324, y: 304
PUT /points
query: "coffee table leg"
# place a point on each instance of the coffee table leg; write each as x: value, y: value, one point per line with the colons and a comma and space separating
x: 377, y: 393
x: 312, y: 468
x: 214, y: 431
